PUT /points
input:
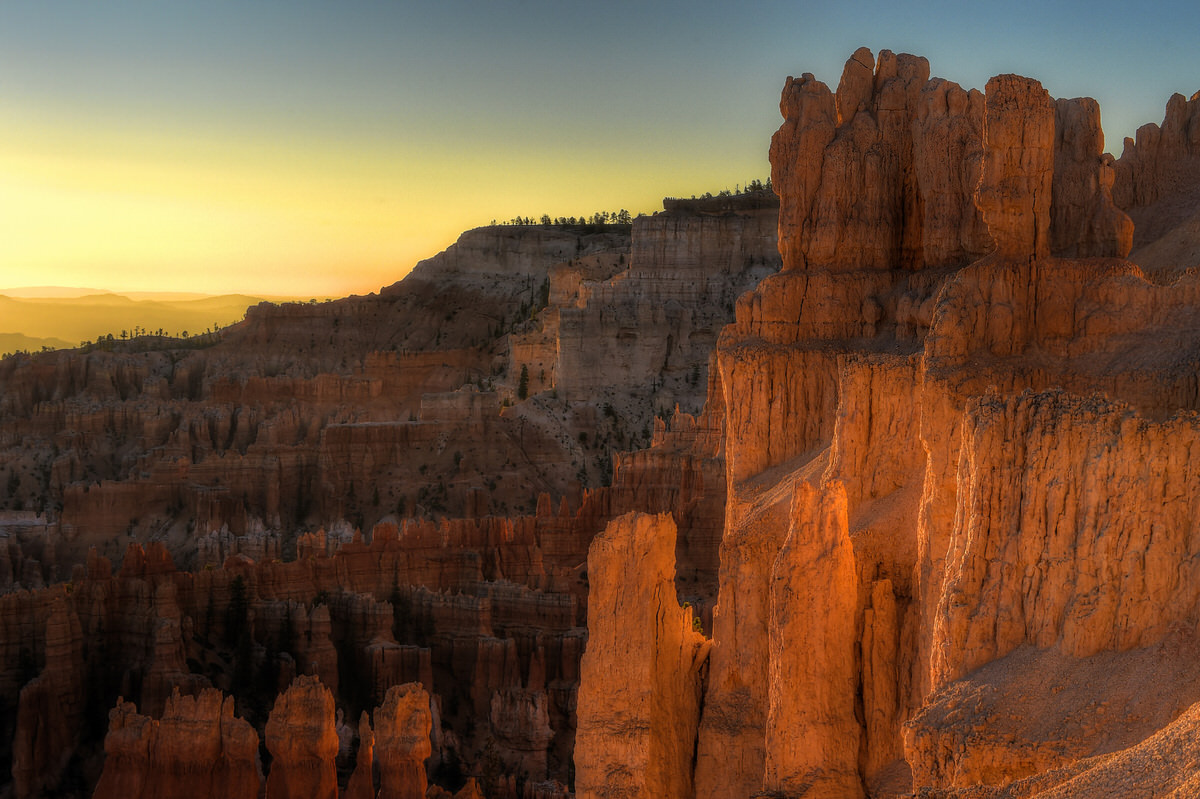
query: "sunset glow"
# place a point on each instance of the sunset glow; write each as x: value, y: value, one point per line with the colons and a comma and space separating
x: 304, y: 149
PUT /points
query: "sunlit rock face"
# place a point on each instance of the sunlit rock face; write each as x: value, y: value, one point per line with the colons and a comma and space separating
x: 640, y: 680
x: 1014, y: 190
x: 303, y: 742
x: 197, y: 748
x: 956, y: 359
x: 402, y: 746
x: 880, y: 175
x: 200, y: 748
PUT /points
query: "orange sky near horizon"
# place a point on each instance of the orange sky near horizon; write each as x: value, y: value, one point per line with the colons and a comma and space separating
x: 229, y: 212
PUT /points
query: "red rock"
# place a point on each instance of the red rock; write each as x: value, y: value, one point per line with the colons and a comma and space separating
x: 520, y: 723
x: 812, y: 734
x: 198, y: 748
x: 402, y: 726
x: 302, y: 741
x: 50, y: 708
x: 361, y: 784
x: 1015, y: 188
x: 640, y: 684
x: 1085, y: 221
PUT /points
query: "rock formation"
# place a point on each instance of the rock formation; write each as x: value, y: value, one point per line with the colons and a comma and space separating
x: 1015, y: 189
x: 303, y: 743
x: 989, y: 521
x: 657, y: 320
x: 1155, y: 181
x: 50, y: 708
x: 1086, y: 221
x: 198, y: 748
x: 642, y: 673
x: 402, y: 726
x: 347, y: 409
x: 362, y: 781
x: 812, y: 735
x: 938, y: 509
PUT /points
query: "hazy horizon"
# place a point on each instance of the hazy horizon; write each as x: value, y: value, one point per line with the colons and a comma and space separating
x: 79, y: 292
x: 308, y: 149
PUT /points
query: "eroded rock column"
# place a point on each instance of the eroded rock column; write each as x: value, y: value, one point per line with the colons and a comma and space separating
x: 362, y: 784
x: 302, y: 741
x: 1014, y: 192
x: 812, y: 733
x: 641, y: 676
x: 402, y: 726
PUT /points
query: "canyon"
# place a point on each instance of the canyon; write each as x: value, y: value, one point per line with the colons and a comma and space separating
x: 880, y: 484
x: 382, y: 490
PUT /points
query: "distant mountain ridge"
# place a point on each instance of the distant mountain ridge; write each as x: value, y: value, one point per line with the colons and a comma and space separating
x: 14, y: 342
x: 57, y: 316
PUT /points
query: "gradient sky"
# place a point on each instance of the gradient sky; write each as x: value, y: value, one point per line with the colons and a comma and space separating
x: 322, y: 148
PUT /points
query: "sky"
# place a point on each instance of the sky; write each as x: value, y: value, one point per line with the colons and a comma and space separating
x: 320, y: 148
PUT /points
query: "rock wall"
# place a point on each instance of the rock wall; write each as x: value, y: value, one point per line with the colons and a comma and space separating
x: 657, y: 320
x: 978, y: 524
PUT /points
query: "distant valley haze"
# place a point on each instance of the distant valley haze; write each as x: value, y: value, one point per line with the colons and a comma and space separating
x: 56, y: 317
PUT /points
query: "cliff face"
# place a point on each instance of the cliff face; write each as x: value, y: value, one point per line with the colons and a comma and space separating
x: 956, y: 434
x: 659, y: 318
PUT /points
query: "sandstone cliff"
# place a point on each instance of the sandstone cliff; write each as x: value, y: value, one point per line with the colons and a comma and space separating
x: 999, y: 528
